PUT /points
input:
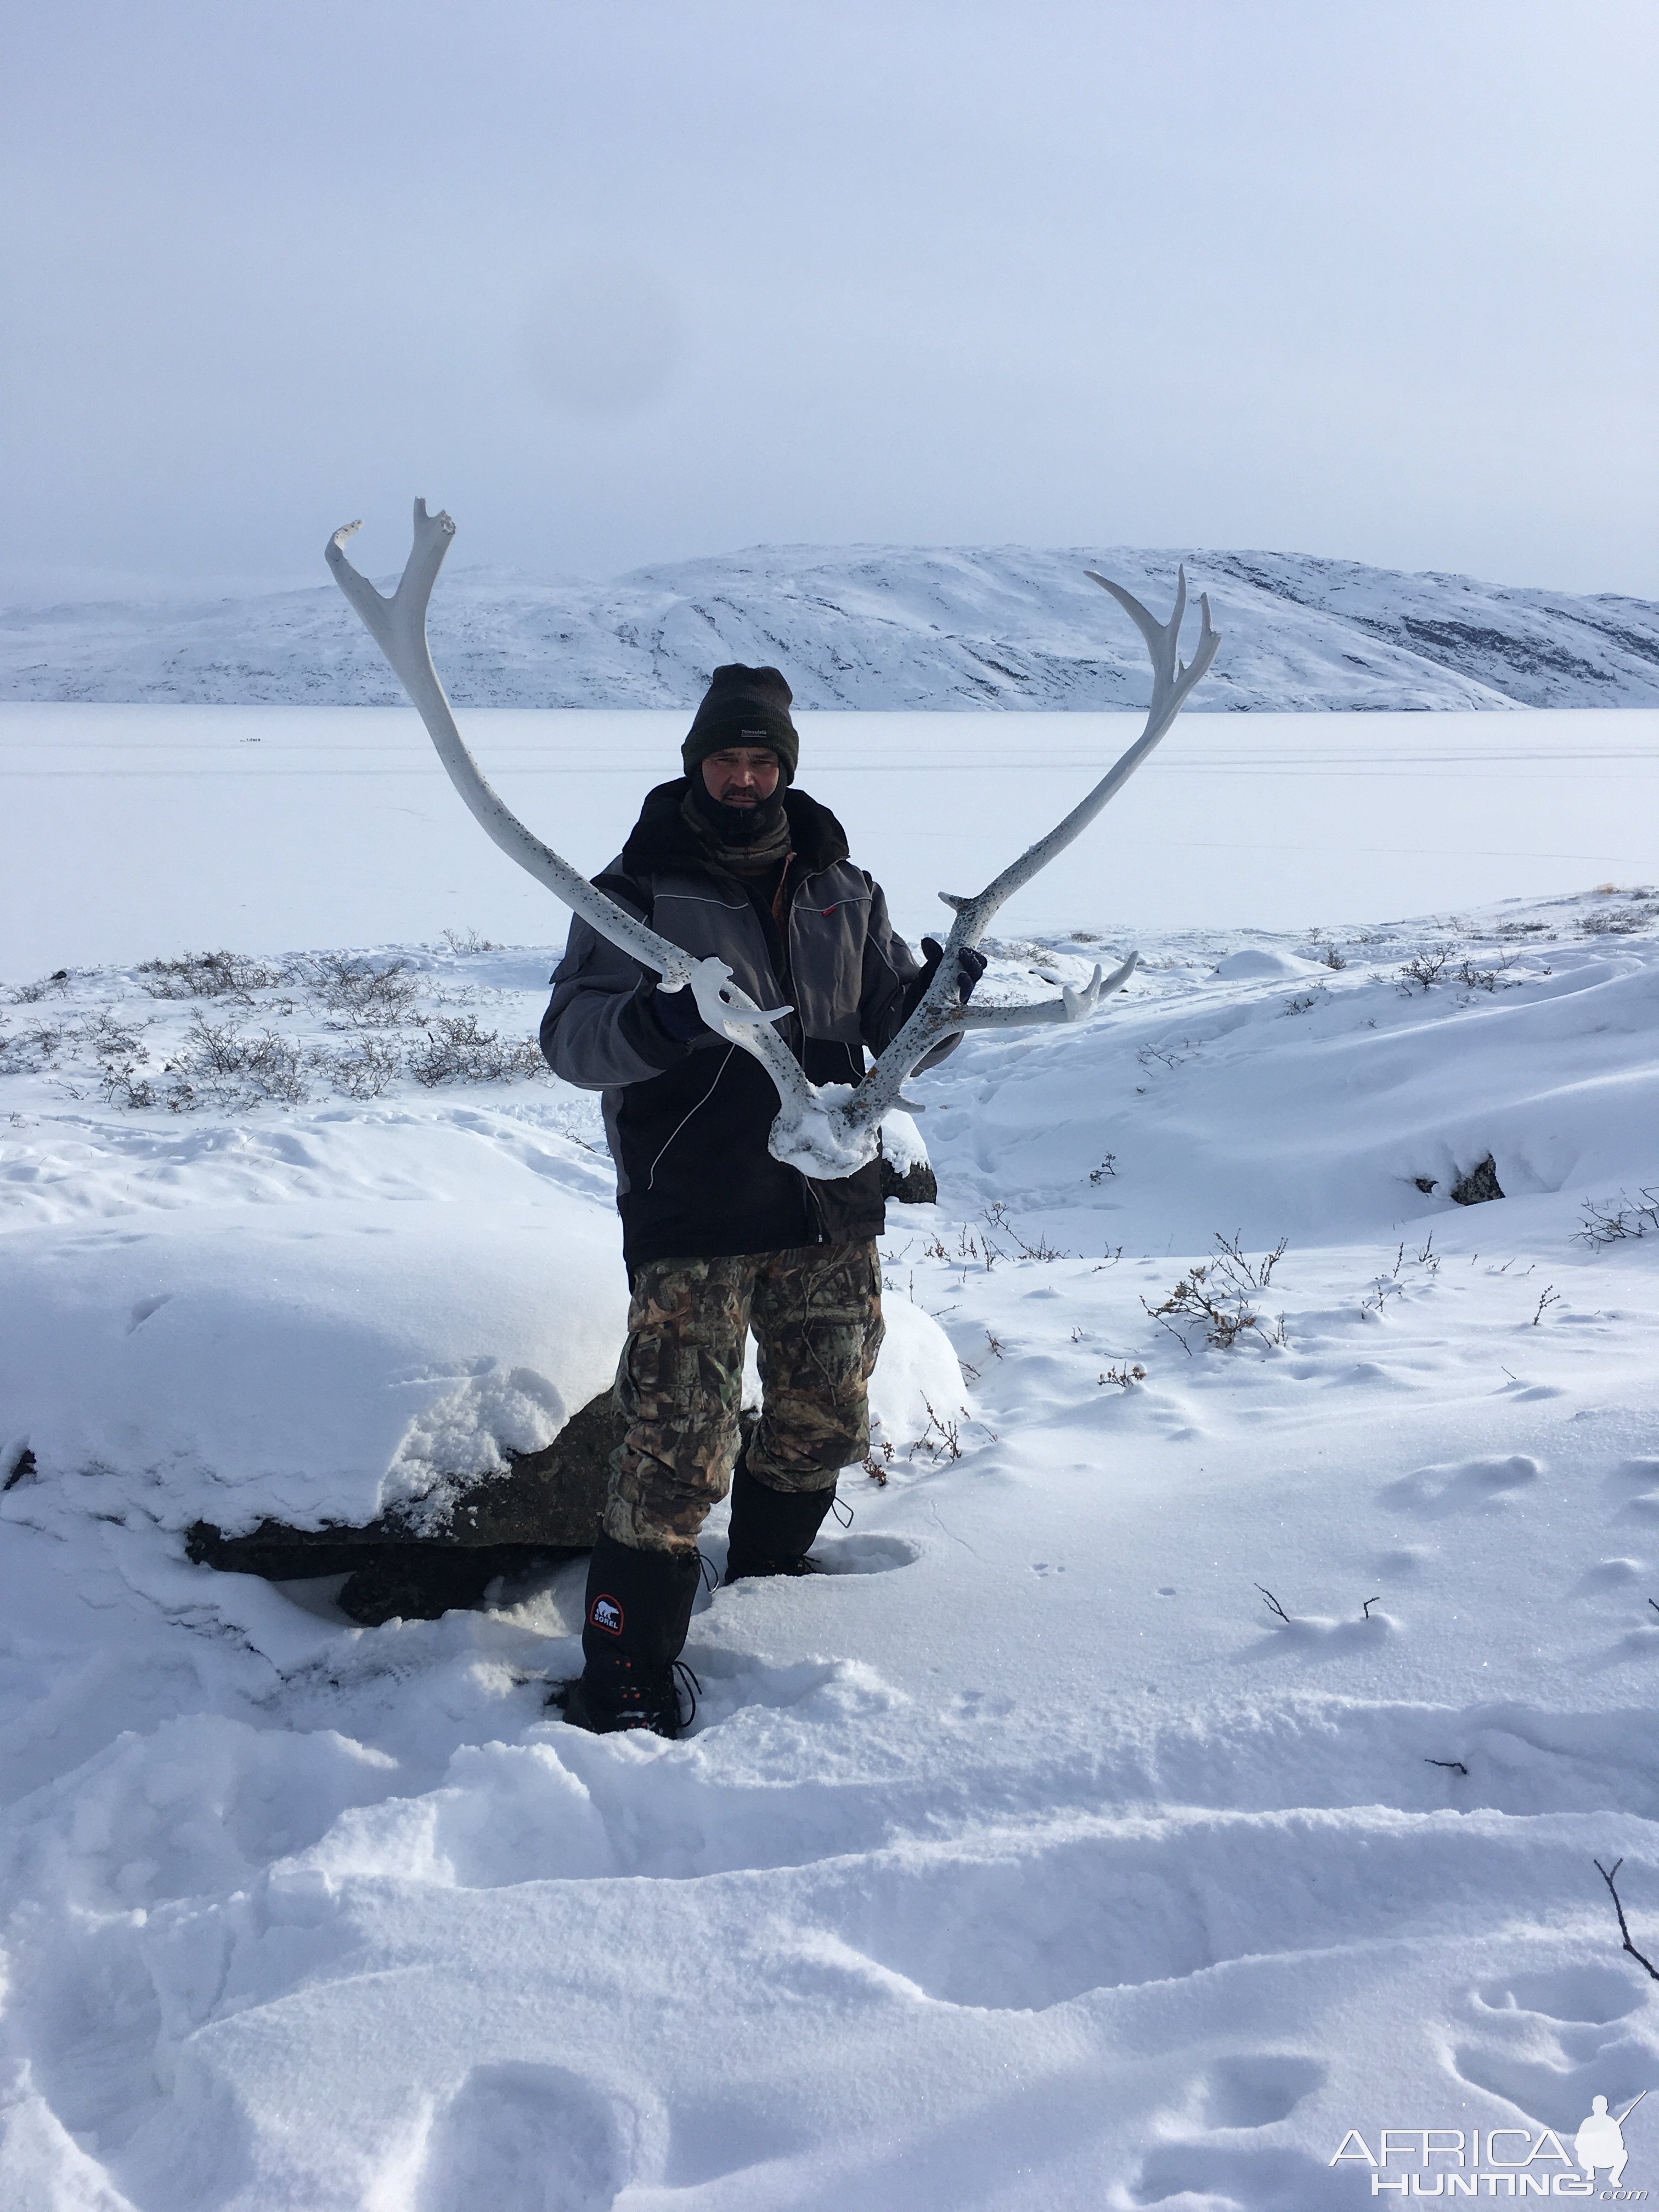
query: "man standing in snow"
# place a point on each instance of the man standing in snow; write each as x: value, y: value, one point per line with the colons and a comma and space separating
x: 718, y: 1236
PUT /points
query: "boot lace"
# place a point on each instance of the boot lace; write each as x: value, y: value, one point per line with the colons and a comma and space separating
x: 685, y: 1683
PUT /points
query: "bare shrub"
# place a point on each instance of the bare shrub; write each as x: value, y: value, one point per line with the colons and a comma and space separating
x: 27, y: 1052
x: 234, y: 1068
x: 207, y: 975
x: 996, y: 1220
x: 103, y: 1035
x: 365, y: 1072
x: 1123, y: 1375
x: 1497, y: 977
x: 370, y: 995
x: 123, y: 1085
x: 465, y: 942
x: 942, y: 1438
x: 1612, y: 1223
x: 1165, y: 1057
x: 1425, y: 969
x: 30, y: 995
x: 117, y: 1050
x: 457, y: 1051
x: 1221, y: 1297
x: 1618, y: 920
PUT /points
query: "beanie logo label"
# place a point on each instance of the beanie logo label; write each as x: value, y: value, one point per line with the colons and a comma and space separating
x: 605, y: 1612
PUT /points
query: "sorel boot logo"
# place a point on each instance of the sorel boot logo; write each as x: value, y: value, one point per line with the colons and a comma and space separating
x: 605, y: 1612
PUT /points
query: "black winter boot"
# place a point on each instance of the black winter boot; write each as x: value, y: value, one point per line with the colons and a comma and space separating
x: 772, y: 1530
x: 638, y: 1610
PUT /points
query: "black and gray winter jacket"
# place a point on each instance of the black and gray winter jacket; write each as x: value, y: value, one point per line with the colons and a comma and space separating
x: 688, y: 1124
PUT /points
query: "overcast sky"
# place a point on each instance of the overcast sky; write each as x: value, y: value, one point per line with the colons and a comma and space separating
x: 621, y: 283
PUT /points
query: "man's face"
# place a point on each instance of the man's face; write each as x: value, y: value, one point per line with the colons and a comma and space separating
x: 741, y: 775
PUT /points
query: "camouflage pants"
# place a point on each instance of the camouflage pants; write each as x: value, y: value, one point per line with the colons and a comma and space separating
x: 816, y: 1313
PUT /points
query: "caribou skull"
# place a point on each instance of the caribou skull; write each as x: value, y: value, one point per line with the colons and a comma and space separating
x: 827, y: 1130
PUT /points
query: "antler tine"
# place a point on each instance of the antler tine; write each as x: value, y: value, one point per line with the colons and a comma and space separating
x: 1157, y: 634
x: 396, y: 624
x: 1071, y: 1005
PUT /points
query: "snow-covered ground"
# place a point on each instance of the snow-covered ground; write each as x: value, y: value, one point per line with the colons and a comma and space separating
x: 1031, y: 1859
x: 867, y: 627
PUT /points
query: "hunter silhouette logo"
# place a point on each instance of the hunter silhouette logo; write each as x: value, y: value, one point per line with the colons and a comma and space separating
x: 605, y: 1612
x: 1601, y: 2140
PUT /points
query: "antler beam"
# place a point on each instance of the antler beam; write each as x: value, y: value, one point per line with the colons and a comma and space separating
x: 398, y: 625
x: 938, y: 1014
x: 828, y: 1130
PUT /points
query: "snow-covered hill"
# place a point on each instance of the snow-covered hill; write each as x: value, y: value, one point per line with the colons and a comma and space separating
x: 871, y: 627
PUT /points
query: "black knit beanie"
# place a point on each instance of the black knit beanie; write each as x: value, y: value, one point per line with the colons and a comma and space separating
x: 741, y: 704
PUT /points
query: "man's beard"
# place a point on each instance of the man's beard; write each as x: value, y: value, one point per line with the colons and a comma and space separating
x: 737, y: 825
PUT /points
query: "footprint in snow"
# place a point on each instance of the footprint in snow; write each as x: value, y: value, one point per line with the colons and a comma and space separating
x: 1549, y: 2042
x: 1609, y: 1574
x: 1233, y: 2174
x: 824, y: 1691
x: 1589, y: 1993
x: 520, y: 2138
x: 847, y: 1555
x: 1471, y: 1485
x: 1254, y: 2089
x: 979, y: 1705
x: 868, y: 1555
x: 1634, y: 1486
x: 1243, y: 2092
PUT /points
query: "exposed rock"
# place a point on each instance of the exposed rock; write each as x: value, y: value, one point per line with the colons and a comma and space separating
x: 546, y: 1507
x: 552, y: 1497
x: 916, y: 1185
x: 1480, y: 1184
x: 419, y: 1582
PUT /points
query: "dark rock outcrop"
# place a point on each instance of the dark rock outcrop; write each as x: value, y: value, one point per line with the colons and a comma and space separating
x: 917, y: 1186
x: 1479, y: 1185
x: 546, y: 1507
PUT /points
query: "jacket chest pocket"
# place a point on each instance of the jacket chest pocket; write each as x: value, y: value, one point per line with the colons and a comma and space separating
x: 709, y: 926
x: 826, y: 954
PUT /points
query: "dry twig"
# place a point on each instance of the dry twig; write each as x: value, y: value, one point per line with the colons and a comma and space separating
x: 1606, y: 1874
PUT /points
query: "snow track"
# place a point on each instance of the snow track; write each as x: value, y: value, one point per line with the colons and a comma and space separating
x: 1027, y: 1859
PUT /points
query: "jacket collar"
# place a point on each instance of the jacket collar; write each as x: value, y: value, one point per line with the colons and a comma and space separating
x: 660, y: 839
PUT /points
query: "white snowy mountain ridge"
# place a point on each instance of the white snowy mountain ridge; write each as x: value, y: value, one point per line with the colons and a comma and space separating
x: 871, y: 627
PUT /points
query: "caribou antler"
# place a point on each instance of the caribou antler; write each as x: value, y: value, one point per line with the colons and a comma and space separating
x: 398, y: 625
x: 827, y: 1130
x: 938, y: 1014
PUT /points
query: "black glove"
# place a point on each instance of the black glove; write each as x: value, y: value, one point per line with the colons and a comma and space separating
x: 970, y: 966
x: 677, y: 1015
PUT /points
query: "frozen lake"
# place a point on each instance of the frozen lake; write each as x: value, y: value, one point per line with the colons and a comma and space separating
x: 134, y: 830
